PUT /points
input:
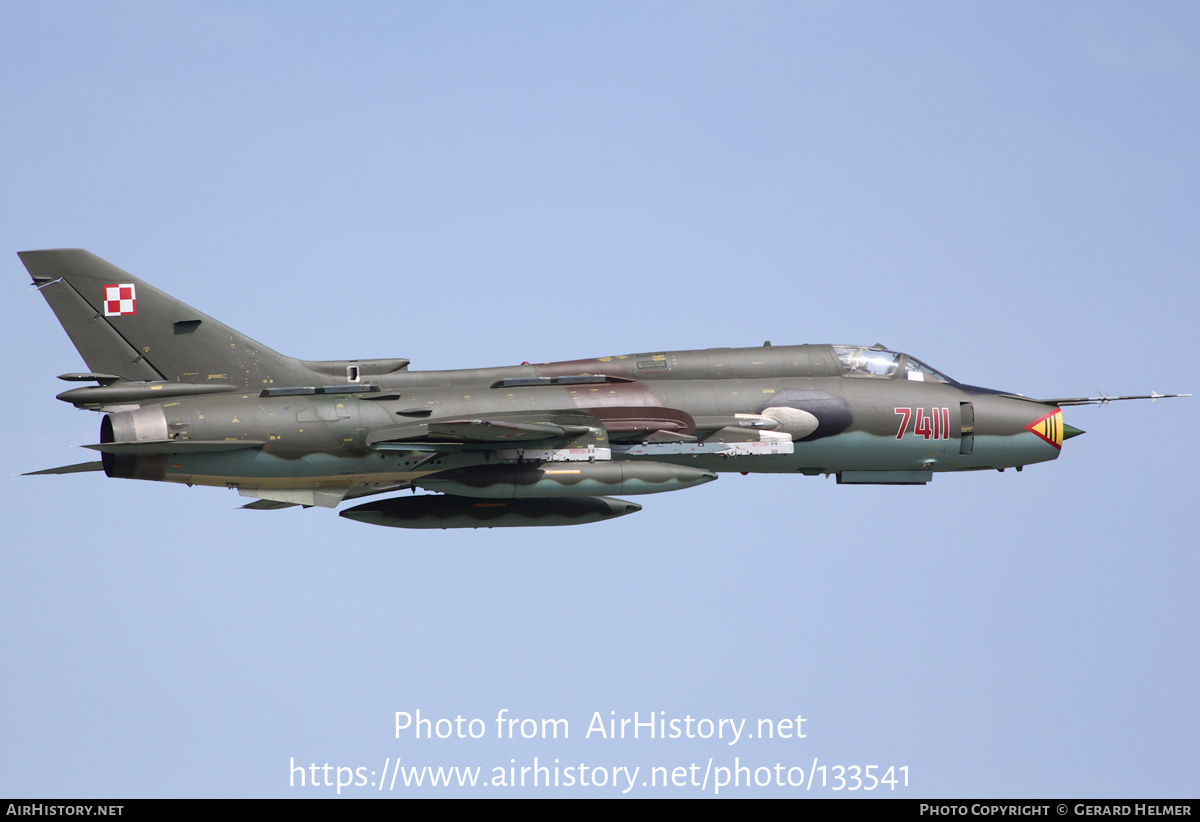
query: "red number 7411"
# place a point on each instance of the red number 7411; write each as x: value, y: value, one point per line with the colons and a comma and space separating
x: 935, y: 426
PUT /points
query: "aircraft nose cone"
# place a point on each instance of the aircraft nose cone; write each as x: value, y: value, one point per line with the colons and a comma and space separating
x: 1049, y: 428
x: 1071, y: 431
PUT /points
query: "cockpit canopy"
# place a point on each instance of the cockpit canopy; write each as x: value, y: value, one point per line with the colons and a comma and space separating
x: 859, y: 361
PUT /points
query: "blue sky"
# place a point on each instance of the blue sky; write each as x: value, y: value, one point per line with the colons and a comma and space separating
x: 1007, y: 191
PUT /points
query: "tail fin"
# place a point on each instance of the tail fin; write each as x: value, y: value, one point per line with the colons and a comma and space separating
x: 127, y: 328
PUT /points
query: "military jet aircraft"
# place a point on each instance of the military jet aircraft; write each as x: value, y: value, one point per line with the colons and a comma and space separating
x: 187, y: 399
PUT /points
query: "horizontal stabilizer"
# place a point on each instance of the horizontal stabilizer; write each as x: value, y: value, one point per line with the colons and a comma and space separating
x: 77, y: 468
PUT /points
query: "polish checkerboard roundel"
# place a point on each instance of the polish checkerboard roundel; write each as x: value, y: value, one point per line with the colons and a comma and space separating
x: 120, y: 300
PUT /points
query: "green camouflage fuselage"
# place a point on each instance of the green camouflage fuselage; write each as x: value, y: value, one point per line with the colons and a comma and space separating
x: 325, y: 440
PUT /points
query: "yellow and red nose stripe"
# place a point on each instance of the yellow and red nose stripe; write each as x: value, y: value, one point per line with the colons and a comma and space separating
x: 1049, y: 428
